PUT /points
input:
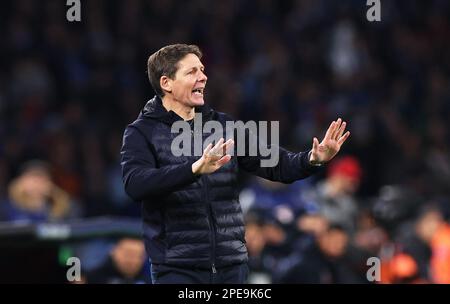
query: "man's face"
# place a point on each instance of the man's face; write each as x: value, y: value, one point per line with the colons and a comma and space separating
x: 189, y: 82
x: 129, y: 256
x: 36, y: 184
x: 333, y: 243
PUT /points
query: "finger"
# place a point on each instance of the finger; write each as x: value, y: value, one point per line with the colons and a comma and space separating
x: 225, y: 159
x: 222, y: 150
x: 228, y: 146
x: 336, y: 128
x: 207, y: 149
x: 216, y: 148
x: 343, y: 138
x: 330, y: 130
x: 230, y: 141
x: 218, y: 144
x: 341, y: 130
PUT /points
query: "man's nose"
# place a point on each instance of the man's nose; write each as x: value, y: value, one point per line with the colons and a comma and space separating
x: 203, y: 77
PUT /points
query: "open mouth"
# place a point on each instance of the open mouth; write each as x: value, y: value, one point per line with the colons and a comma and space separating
x: 198, y: 91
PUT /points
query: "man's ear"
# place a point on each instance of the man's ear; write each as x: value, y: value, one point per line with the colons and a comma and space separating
x: 166, y: 84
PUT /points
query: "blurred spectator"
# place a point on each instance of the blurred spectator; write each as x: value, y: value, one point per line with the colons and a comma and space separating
x: 323, y: 261
x: 370, y: 238
x: 425, y: 240
x: 435, y: 232
x: 270, y: 241
x: 335, y: 195
x: 394, y: 206
x: 125, y: 265
x: 401, y: 269
x: 440, y: 248
x: 34, y: 197
x: 414, y: 239
x: 255, y: 241
x: 312, y: 223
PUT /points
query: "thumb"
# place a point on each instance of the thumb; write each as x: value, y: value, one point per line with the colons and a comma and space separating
x: 315, y: 144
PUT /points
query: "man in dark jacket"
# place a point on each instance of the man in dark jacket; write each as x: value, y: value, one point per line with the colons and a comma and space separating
x: 193, y: 222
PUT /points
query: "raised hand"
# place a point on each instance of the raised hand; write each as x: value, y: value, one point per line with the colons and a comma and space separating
x: 331, y: 143
x: 213, y: 157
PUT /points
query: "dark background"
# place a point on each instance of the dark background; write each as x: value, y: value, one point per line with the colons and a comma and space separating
x: 68, y: 89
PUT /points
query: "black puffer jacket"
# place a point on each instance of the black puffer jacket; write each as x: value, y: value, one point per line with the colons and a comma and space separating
x: 191, y: 221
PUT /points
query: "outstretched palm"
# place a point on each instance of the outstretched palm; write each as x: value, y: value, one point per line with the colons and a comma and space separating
x: 331, y: 144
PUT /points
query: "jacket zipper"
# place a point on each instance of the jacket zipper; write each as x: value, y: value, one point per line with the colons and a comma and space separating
x: 212, y: 228
x: 211, y: 218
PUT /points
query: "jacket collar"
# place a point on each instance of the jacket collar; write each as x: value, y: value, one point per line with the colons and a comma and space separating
x: 154, y: 109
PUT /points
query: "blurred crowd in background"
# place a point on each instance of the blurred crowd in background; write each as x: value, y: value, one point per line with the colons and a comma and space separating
x: 68, y: 89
